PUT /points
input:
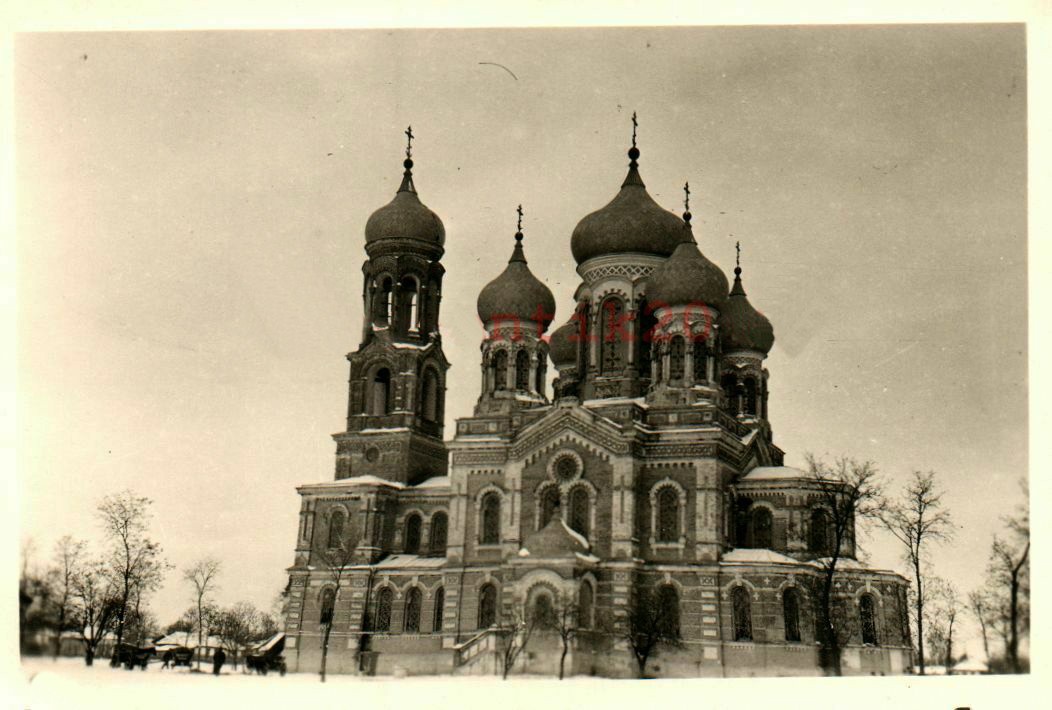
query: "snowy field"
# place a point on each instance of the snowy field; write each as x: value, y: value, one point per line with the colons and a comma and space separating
x: 68, y: 684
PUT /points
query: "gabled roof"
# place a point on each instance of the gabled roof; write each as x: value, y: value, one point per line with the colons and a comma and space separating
x: 556, y: 539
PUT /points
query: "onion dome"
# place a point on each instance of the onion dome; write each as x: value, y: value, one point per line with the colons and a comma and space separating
x: 516, y: 296
x: 687, y: 278
x: 405, y: 216
x: 564, y: 341
x: 631, y: 222
x: 742, y: 327
x: 556, y: 539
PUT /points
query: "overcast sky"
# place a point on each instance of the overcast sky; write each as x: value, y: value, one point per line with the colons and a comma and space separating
x: 191, y: 210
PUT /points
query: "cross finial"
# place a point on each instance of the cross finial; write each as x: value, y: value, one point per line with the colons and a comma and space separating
x: 409, y: 143
x: 686, y: 196
x: 635, y: 124
x: 518, y: 232
x: 738, y: 254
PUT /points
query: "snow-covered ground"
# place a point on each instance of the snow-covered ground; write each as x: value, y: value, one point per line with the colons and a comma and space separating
x: 68, y: 684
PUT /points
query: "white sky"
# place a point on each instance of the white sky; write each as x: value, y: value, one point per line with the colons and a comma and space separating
x: 189, y: 251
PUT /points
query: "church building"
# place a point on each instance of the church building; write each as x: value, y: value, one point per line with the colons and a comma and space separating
x: 649, y: 473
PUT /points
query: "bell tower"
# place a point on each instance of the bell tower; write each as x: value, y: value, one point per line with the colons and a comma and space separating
x: 396, y: 401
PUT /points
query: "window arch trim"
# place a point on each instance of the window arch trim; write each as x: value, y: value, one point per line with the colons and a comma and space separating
x: 681, y: 494
x: 480, y: 498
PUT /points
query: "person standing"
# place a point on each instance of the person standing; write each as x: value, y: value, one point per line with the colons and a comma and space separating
x: 218, y: 659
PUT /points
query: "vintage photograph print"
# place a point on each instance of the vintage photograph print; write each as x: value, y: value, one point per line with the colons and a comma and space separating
x: 496, y: 354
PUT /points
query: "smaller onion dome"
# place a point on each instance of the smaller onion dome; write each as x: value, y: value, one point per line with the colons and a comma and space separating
x: 556, y: 539
x: 405, y: 216
x: 516, y: 295
x: 742, y: 327
x: 687, y: 277
x: 564, y: 341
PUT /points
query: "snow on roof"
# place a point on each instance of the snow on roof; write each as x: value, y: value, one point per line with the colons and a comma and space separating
x: 436, y: 482
x: 575, y: 535
x: 269, y: 643
x: 757, y: 555
x: 747, y: 439
x: 767, y: 473
x: 641, y: 401
x: 188, y: 639
x: 356, y: 481
x: 401, y: 561
x: 376, y: 430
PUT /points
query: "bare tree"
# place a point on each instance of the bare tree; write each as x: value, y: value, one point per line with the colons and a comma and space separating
x: 336, y: 561
x: 1009, y: 577
x: 916, y: 520
x: 237, y: 627
x: 979, y: 606
x: 941, y: 615
x: 202, y: 576
x: 134, y: 561
x: 68, y: 558
x: 513, y: 635
x: 566, y: 622
x: 646, y: 625
x: 96, y: 605
x: 851, y: 494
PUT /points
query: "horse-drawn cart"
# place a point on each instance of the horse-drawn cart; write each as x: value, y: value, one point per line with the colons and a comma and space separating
x: 268, y: 656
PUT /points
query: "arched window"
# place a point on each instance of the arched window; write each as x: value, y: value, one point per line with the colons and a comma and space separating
x: 729, y: 384
x: 741, y: 609
x: 336, y: 523
x: 668, y: 611
x: 412, y: 535
x: 382, y: 303
x: 543, y: 611
x: 580, y: 511
x: 613, y: 330
x: 384, y: 602
x: 490, y: 519
x: 542, y: 374
x: 647, y: 330
x: 820, y: 532
x: 868, y: 619
x: 440, y: 608
x: 585, y: 603
x: 328, y: 605
x: 701, y: 357
x: 760, y: 519
x: 439, y: 532
x: 407, y: 317
x: 549, y: 505
x: 676, y: 358
x: 750, y: 396
x: 668, y: 515
x: 499, y: 363
x: 381, y: 392
x: 522, y: 370
x: 413, y: 602
x: 429, y: 400
x: 791, y: 613
x: 487, y: 606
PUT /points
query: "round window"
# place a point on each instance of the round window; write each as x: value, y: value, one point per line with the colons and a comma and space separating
x: 566, y: 467
x: 372, y: 454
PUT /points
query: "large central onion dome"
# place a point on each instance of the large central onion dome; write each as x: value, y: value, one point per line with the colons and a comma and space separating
x: 742, y: 327
x: 687, y: 277
x: 405, y: 216
x: 516, y: 296
x: 632, y: 222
